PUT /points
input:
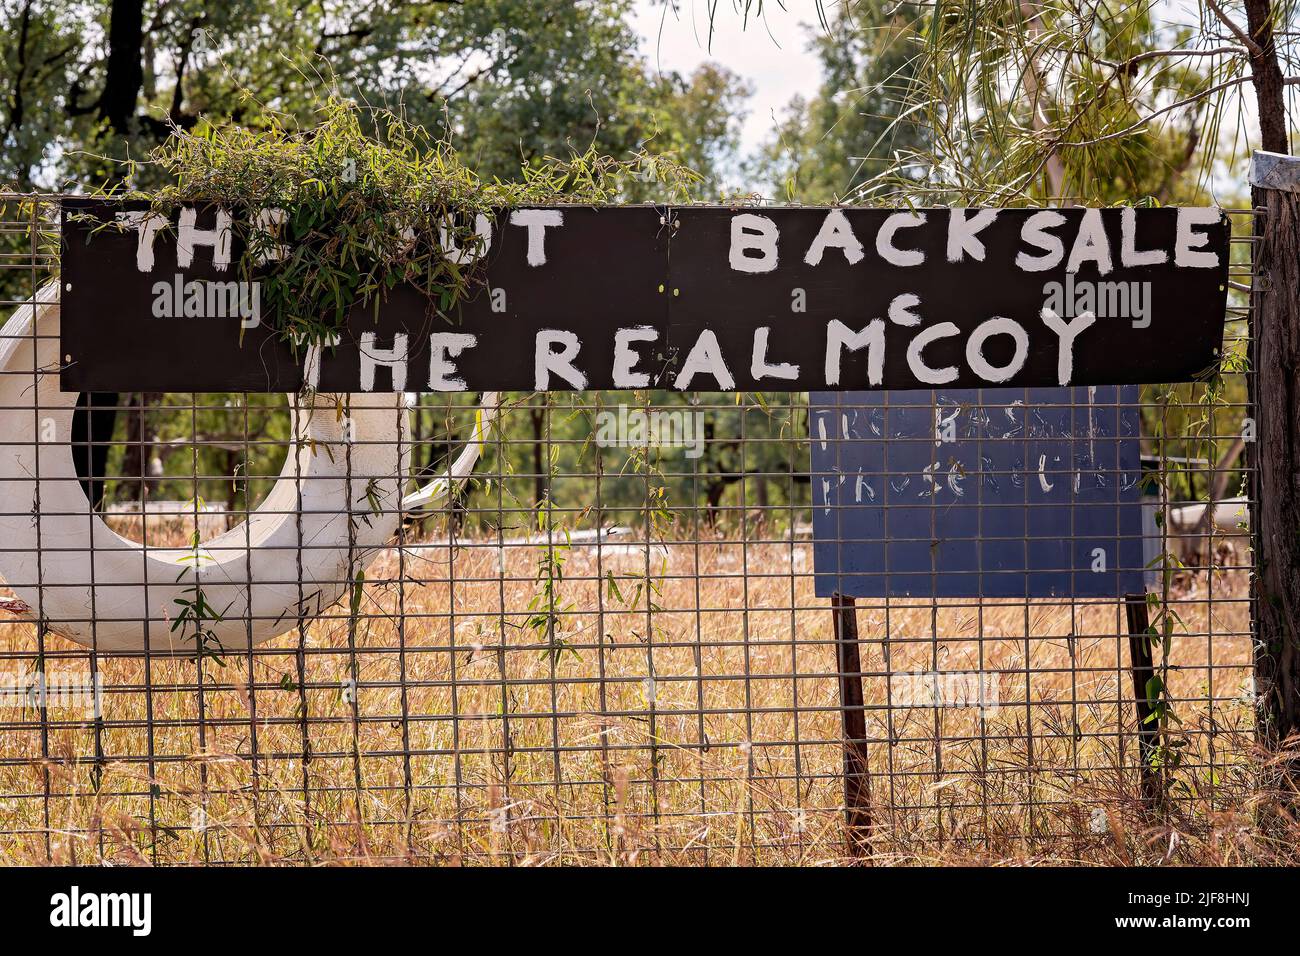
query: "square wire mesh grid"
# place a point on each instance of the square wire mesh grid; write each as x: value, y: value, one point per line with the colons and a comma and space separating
x: 589, y: 651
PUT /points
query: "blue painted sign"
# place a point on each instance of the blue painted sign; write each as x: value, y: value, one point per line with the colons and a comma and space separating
x: 998, y: 492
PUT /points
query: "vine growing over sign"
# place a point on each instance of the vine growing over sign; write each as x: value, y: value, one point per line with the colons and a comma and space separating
x: 337, y: 215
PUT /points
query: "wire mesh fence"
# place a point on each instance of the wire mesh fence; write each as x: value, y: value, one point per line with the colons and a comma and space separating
x: 600, y: 643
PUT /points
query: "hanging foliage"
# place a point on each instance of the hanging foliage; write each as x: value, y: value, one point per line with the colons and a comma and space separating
x: 365, y: 201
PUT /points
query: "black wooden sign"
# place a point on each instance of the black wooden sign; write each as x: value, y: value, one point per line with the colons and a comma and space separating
x: 700, y: 297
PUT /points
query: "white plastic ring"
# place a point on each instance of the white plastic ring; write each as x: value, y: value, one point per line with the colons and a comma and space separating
x: 334, y: 508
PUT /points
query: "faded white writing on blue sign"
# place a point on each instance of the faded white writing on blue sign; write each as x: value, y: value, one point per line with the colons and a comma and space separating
x: 977, y: 492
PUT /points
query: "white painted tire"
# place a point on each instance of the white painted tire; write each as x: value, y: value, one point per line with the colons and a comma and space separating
x: 293, y: 558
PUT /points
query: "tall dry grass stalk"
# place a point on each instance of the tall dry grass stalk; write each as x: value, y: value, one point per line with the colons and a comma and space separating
x: 703, y: 730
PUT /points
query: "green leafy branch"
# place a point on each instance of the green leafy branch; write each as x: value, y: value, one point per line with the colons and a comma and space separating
x: 336, y: 216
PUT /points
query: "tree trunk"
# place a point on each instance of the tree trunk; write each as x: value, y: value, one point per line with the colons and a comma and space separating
x: 1266, y: 75
x: 123, y: 80
x: 540, y: 472
x: 236, y: 479
x: 135, y: 460
x: 1277, y: 458
x: 92, y: 437
x: 124, y: 72
x: 1276, y: 452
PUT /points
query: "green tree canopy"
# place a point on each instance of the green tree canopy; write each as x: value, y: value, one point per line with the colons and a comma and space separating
x: 826, y: 147
x: 84, y: 84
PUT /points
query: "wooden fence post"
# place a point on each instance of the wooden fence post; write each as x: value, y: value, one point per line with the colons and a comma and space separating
x: 857, y: 780
x: 1275, y: 453
x: 1143, y: 667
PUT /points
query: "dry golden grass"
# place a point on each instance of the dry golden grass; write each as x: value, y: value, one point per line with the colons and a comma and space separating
x: 703, y: 731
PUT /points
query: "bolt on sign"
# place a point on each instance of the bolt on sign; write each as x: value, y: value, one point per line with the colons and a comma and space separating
x: 704, y: 298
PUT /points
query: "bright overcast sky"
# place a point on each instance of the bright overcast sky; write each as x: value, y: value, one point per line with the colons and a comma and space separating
x: 772, y: 53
